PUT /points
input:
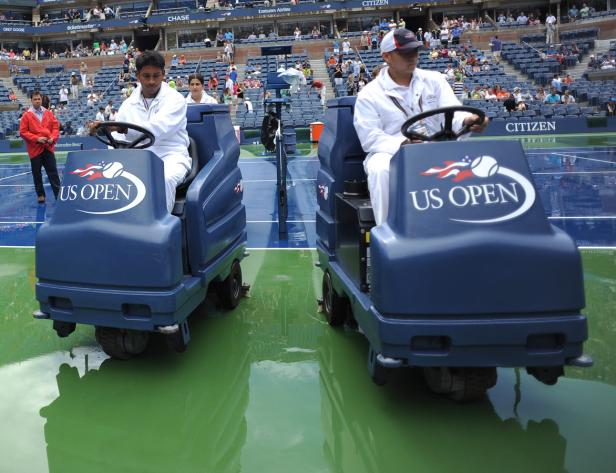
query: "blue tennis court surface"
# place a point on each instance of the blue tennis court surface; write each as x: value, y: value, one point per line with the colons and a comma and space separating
x: 577, y: 186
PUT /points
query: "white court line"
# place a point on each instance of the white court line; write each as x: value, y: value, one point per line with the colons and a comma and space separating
x: 274, y: 180
x: 549, y: 151
x: 16, y: 175
x: 581, y: 157
x: 600, y: 217
x: 282, y: 249
x: 17, y: 223
x: 31, y: 247
x: 572, y: 172
x: 276, y: 221
x: 16, y: 185
x: 314, y: 221
x: 267, y: 161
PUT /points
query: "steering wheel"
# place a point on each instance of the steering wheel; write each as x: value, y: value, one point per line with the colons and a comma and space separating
x: 103, y: 134
x: 447, y: 133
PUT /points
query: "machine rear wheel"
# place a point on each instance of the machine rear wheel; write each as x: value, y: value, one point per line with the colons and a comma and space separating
x: 335, y: 307
x: 461, y: 384
x: 230, y: 290
x: 121, y: 344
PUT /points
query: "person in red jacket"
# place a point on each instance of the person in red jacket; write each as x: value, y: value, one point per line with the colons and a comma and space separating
x: 40, y: 130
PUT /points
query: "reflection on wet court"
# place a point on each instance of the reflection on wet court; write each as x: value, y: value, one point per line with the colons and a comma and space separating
x: 270, y: 387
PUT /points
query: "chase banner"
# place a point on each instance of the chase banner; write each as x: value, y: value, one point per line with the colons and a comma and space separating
x: 190, y: 17
x: 221, y: 15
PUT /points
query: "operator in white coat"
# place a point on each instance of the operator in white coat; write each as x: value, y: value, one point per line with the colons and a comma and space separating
x: 399, y: 92
x: 160, y: 109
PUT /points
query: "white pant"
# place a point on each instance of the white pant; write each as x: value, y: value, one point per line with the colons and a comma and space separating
x: 84, y: 79
x: 177, y: 166
x: 377, y: 170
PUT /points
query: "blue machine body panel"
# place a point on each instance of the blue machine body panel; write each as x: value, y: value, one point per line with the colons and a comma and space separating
x: 113, y: 256
x: 466, y: 271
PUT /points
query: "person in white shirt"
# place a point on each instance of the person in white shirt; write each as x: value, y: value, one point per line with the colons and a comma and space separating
x: 346, y: 46
x: 161, y: 110
x: 197, y: 94
x: 550, y: 28
x: 400, y: 91
x: 63, y: 95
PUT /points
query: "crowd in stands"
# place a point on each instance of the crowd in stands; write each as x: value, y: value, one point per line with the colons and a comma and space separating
x: 73, y: 15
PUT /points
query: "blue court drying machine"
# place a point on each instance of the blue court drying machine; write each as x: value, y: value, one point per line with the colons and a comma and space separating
x: 466, y: 275
x: 112, y: 256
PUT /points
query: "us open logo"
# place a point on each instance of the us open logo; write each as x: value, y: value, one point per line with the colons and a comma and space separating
x: 116, y: 186
x: 488, y: 187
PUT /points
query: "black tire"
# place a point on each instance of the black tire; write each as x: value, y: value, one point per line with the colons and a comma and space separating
x: 121, y: 344
x: 230, y: 290
x: 475, y: 383
x: 460, y: 384
x: 379, y: 374
x: 175, y: 341
x: 335, y: 307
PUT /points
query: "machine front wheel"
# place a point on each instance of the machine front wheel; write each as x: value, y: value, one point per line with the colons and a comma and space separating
x: 230, y: 290
x: 335, y: 307
x: 121, y: 344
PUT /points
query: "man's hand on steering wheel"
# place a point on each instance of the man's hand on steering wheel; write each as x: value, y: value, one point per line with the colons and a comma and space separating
x: 93, y: 128
x: 475, y: 124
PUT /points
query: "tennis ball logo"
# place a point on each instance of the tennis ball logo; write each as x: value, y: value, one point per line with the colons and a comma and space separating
x: 484, y: 166
x: 112, y: 170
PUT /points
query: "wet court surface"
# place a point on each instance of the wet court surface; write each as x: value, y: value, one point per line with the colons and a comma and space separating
x: 576, y: 180
x: 270, y: 387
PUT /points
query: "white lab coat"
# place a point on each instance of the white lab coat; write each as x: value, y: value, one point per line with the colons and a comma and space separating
x: 378, y: 122
x: 205, y: 98
x: 166, y: 119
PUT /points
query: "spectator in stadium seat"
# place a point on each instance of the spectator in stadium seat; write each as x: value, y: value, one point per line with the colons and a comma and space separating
x: 212, y: 83
x: 456, y: 32
x: 573, y: 13
x: 107, y: 109
x: 12, y: 96
x: 100, y: 115
x: 197, y: 93
x: 400, y: 91
x: 557, y: 83
x: 161, y: 110
x: 540, y: 94
x: 338, y: 75
x: 509, y: 103
x: 552, y: 98
x: 567, y: 98
x: 584, y: 11
x: 83, y: 71
x: 74, y: 86
x: 346, y: 46
x: 63, y: 95
x: 522, y: 19
x: 611, y: 107
x: 40, y: 130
